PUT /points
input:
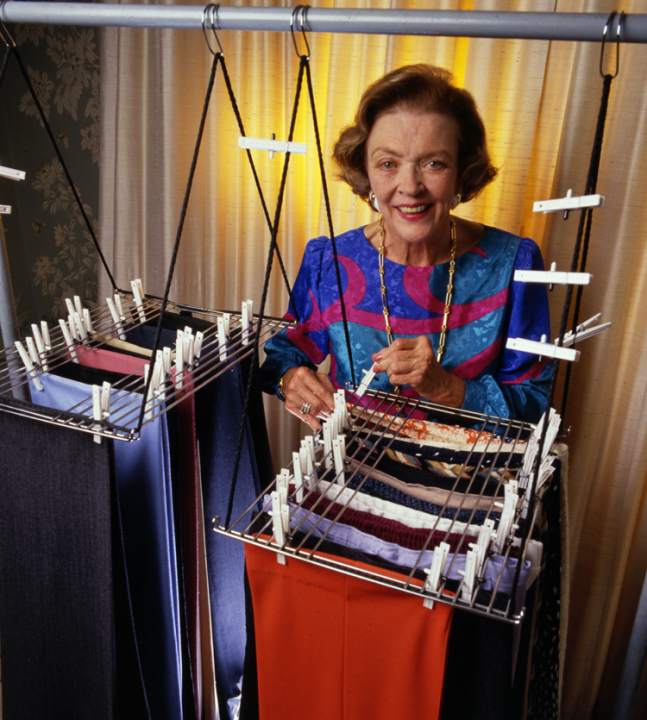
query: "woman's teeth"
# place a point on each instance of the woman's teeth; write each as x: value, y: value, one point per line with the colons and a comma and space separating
x: 412, y: 210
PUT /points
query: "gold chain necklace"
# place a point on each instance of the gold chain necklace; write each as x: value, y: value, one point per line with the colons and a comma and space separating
x: 448, y: 297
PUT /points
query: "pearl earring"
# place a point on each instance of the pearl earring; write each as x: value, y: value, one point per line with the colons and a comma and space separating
x: 456, y: 200
x: 373, y: 200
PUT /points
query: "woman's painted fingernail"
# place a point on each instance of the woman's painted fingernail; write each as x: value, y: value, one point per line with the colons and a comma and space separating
x: 377, y: 357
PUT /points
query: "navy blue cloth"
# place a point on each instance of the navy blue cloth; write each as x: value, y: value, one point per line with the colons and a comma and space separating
x: 145, y: 502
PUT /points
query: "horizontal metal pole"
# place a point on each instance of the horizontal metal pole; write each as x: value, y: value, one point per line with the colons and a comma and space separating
x: 448, y: 23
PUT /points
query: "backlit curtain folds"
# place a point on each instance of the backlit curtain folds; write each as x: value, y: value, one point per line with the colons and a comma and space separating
x: 540, y: 103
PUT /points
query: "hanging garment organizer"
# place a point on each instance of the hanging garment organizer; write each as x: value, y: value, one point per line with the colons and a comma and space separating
x: 208, y: 366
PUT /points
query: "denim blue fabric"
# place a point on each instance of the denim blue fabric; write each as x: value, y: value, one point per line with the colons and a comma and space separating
x: 142, y: 470
x: 219, y: 408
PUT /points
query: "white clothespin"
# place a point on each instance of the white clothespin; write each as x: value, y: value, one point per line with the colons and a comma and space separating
x: 11, y: 174
x: 116, y: 318
x: 340, y: 406
x: 552, y: 277
x: 472, y: 562
x: 307, y: 464
x: 197, y: 344
x: 33, y: 352
x: 298, y: 476
x: 339, y: 453
x: 87, y: 322
x: 483, y: 542
x: 78, y: 306
x: 159, y: 377
x: 222, y: 338
x: 435, y: 572
x: 568, y: 203
x: 100, y: 405
x: 70, y: 307
x: 29, y: 365
x: 543, y: 349
x: 506, y: 522
x: 179, y: 359
x: 272, y: 146
x: 227, y: 320
x: 138, y: 297
x: 5, y: 209
x: 366, y: 381
x: 68, y: 340
x: 280, y: 519
x: 40, y: 346
x: 166, y: 362
x: 81, y: 333
x: 583, y: 331
x: 247, y: 317
x: 44, y: 329
x: 327, y: 442
x: 188, y: 346
x: 554, y: 421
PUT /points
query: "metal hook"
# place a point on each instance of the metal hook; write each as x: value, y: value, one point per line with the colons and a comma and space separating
x: 618, y: 38
x: 304, y: 12
x: 214, y: 21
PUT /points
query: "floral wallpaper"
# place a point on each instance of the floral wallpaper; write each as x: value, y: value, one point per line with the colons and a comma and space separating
x: 51, y: 252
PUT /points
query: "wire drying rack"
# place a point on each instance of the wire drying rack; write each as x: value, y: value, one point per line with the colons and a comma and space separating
x: 121, y: 420
x: 486, y: 469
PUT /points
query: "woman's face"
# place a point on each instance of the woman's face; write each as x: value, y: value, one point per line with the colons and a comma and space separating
x: 412, y: 165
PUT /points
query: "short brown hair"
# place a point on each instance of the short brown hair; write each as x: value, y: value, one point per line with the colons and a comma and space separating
x: 425, y: 89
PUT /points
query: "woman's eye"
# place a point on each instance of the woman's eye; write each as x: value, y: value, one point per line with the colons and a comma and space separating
x: 434, y: 164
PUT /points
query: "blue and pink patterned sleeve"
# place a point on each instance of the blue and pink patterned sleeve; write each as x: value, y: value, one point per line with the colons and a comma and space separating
x: 520, y: 388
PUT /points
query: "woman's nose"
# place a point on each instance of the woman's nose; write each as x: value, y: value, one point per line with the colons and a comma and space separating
x: 410, y: 179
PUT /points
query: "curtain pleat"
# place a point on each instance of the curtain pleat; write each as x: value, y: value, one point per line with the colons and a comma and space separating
x: 540, y: 103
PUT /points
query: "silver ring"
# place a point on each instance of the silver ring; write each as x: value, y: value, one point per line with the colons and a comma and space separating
x: 305, y: 409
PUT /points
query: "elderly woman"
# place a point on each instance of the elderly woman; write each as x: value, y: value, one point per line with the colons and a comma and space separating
x: 429, y: 298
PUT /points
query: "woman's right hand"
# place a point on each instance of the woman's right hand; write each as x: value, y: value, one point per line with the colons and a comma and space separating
x: 302, y: 386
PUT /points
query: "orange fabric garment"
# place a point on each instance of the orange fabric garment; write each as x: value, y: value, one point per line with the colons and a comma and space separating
x: 330, y: 645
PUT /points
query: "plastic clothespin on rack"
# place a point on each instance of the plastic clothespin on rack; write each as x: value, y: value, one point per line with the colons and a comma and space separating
x: 483, y: 542
x: 100, y: 405
x: 298, y: 476
x: 11, y: 174
x: 247, y: 319
x: 552, y: 277
x: 506, y: 521
x: 197, y: 345
x: 339, y: 454
x: 179, y: 359
x: 435, y: 572
x: 44, y: 331
x: 472, y: 563
x: 568, y: 203
x: 116, y: 317
x: 366, y: 381
x: 40, y: 346
x: 138, y: 297
x: 222, y: 339
x: 543, y: 349
x: 68, y: 340
x: 272, y: 146
x: 306, y: 454
x: 32, y: 370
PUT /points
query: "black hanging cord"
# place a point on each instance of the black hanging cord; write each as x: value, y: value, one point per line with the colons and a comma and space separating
x: 176, y: 247
x: 586, y: 218
x: 266, y: 282
x: 12, y: 47
x: 328, y: 213
x: 239, y: 119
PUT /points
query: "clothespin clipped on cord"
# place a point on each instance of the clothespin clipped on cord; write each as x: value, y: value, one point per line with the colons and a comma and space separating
x: 568, y: 203
x: 435, y: 572
x: 100, y: 405
x: 138, y: 297
x: 552, y: 277
x: 31, y: 368
x: 272, y: 146
x: 584, y: 331
x: 543, y: 349
x: 247, y: 318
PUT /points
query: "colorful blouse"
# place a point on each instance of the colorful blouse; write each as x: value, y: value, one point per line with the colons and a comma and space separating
x: 487, y: 307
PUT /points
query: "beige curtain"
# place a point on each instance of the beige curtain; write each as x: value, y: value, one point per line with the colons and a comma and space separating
x: 540, y: 104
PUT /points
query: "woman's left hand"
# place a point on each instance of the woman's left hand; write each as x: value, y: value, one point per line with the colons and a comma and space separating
x: 411, y: 361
